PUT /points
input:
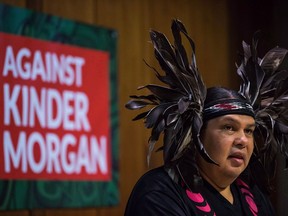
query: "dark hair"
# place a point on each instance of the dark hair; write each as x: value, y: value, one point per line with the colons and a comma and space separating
x: 221, y: 93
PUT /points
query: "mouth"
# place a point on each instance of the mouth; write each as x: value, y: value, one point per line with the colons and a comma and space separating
x: 237, y: 156
x: 237, y: 159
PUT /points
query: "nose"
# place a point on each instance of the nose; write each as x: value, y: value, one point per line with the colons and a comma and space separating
x: 241, y: 140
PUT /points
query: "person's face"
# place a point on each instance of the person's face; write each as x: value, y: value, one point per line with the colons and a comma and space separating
x: 229, y: 141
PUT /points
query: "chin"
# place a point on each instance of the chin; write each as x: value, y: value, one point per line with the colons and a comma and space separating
x: 235, y: 175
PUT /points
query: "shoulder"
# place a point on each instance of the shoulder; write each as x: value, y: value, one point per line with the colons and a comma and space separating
x: 156, y: 175
x: 155, y: 181
x: 253, y: 194
x: 263, y: 201
x: 156, y: 193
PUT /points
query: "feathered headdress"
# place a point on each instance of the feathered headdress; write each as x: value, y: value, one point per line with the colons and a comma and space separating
x: 265, y: 86
x: 177, y: 107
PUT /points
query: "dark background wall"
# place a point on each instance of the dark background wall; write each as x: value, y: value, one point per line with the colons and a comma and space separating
x: 217, y: 27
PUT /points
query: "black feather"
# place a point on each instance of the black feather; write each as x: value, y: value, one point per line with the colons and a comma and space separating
x: 265, y: 85
x: 177, y: 105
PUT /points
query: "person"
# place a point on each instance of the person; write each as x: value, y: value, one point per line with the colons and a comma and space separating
x: 219, y: 144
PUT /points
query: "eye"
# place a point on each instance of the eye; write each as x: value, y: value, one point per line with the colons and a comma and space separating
x: 228, y: 128
x: 249, y: 131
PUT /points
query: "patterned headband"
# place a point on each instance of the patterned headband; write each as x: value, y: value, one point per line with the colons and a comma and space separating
x: 232, y: 106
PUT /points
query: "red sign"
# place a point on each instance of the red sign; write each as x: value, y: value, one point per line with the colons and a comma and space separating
x: 54, y: 111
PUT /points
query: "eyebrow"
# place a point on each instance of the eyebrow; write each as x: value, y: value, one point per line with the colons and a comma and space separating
x: 231, y: 119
